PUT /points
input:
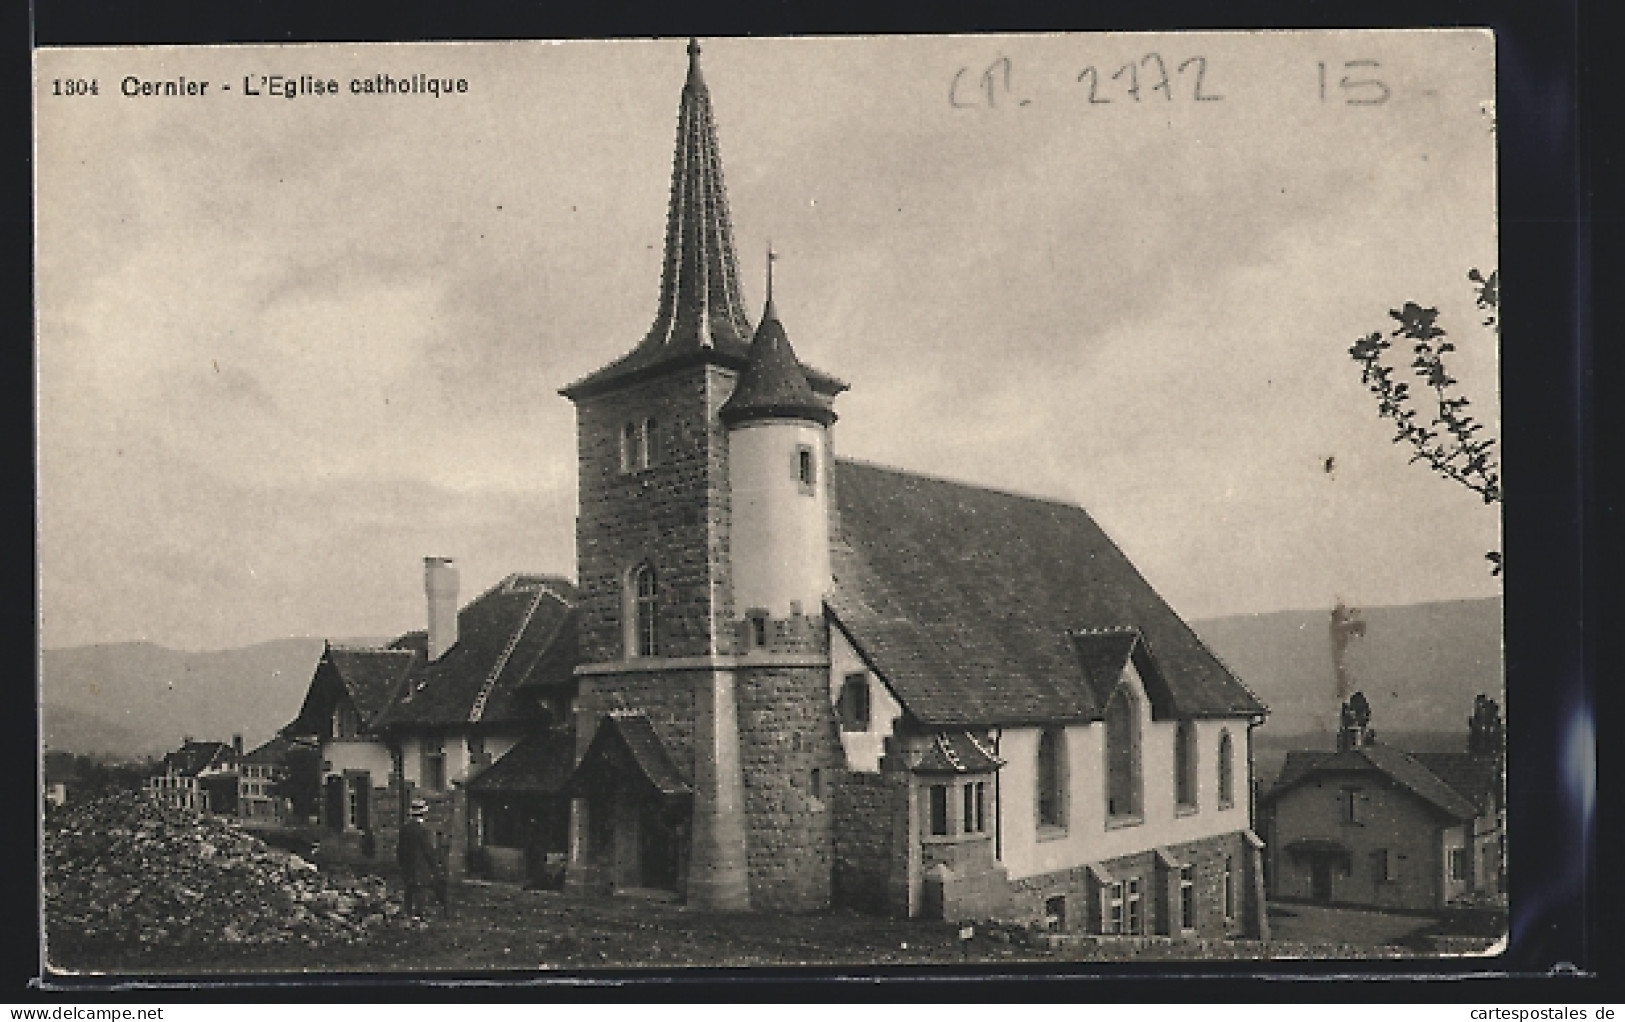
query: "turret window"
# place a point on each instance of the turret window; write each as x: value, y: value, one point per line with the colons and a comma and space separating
x: 806, y: 469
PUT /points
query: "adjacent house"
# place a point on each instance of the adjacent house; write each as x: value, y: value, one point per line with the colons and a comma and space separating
x: 786, y: 681
x: 259, y: 773
x: 418, y: 717
x: 1370, y: 825
x: 200, y: 775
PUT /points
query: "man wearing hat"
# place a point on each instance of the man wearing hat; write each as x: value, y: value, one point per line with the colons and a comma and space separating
x: 421, y: 867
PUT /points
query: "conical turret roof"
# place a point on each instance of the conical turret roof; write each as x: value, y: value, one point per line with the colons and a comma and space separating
x: 774, y: 386
x: 701, y: 317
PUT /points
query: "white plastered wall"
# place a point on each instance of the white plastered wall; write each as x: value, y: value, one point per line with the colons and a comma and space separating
x: 1088, y: 837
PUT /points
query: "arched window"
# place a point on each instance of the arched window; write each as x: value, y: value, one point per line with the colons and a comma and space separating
x: 1052, y: 778
x: 1185, y: 765
x: 1122, y: 754
x: 642, y: 590
x: 1227, y: 771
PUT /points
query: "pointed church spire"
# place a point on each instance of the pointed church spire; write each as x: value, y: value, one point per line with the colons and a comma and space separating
x: 700, y: 314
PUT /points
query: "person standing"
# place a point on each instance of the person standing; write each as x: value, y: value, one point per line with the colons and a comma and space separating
x: 421, y: 867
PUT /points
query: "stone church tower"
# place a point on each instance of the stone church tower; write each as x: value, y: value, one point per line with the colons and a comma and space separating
x: 704, y: 720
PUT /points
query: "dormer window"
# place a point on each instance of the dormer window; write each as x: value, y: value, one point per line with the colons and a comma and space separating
x: 853, y: 705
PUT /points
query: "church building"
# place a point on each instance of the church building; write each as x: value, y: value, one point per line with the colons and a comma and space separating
x: 785, y: 681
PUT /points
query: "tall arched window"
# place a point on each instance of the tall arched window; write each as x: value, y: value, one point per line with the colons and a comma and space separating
x: 1122, y: 754
x: 1185, y: 764
x: 1227, y: 770
x: 1052, y: 778
x: 642, y: 631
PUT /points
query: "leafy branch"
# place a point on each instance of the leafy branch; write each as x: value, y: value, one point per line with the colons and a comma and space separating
x: 1449, y: 443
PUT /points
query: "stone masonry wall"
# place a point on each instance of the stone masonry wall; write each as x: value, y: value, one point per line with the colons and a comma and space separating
x: 864, y: 807
x: 787, y: 730
x: 673, y: 514
x: 667, y: 697
x: 1159, y: 890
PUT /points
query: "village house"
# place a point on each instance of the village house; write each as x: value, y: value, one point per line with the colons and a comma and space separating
x: 785, y: 681
x: 259, y: 773
x: 200, y: 775
x: 1372, y: 826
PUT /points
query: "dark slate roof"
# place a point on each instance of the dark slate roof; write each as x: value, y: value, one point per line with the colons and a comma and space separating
x: 1475, y: 776
x: 370, y: 676
x: 516, y: 637
x: 273, y: 751
x: 192, y: 758
x: 774, y: 384
x: 1403, y: 769
x: 1104, y: 654
x: 540, y: 764
x: 626, y: 742
x: 967, y: 602
x: 701, y: 317
x: 956, y: 752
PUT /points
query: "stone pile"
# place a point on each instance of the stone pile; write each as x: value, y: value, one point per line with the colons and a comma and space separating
x: 127, y: 870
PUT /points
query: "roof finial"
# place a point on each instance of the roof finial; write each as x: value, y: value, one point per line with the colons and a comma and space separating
x: 771, y: 255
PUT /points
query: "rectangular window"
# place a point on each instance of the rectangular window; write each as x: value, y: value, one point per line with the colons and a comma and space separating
x: 758, y: 629
x: 806, y: 469
x: 1350, y: 798
x: 1458, y: 865
x: 975, y: 807
x: 1055, y: 913
x: 1134, y: 915
x: 854, y: 703
x: 434, y: 766
x: 1229, y: 887
x: 1382, y: 866
x: 939, y: 809
x: 1113, y: 916
x: 1187, y: 897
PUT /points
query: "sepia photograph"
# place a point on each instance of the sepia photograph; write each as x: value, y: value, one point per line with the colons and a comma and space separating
x: 867, y: 502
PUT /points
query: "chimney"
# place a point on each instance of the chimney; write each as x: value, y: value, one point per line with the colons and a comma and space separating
x: 440, y: 582
x: 237, y: 745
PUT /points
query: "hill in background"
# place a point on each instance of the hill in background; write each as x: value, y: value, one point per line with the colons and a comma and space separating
x: 1420, y: 666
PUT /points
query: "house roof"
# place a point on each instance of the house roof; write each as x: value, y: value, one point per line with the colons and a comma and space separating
x: 1402, y: 768
x: 1475, y: 775
x: 370, y: 676
x: 970, y: 603
x: 540, y: 764
x: 517, y: 637
x: 956, y: 752
x: 273, y: 751
x: 626, y: 746
x: 192, y: 758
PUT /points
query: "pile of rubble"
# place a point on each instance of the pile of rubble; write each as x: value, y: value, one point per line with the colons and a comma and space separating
x: 127, y: 870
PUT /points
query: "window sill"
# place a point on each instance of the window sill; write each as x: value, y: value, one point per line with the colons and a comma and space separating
x: 1185, y: 810
x: 1118, y: 822
x: 955, y: 839
x: 1051, y: 832
x: 1227, y: 804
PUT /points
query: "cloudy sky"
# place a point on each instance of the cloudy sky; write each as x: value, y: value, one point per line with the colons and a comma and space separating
x: 287, y: 347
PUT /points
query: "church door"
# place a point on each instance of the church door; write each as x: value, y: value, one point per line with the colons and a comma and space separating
x: 658, y: 846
